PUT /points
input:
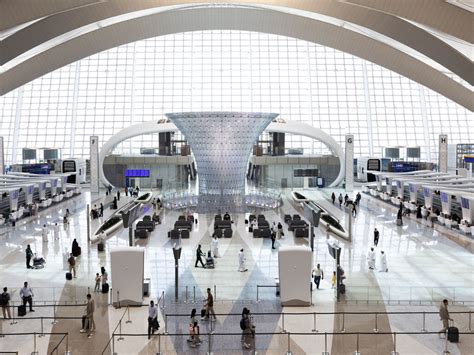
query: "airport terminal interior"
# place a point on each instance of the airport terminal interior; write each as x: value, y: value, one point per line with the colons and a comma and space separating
x: 237, y: 177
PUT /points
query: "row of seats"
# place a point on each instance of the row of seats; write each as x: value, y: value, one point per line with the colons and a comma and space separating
x: 263, y: 227
x: 298, y: 226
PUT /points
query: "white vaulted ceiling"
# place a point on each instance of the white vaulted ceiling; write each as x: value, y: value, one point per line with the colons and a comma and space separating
x: 429, y: 41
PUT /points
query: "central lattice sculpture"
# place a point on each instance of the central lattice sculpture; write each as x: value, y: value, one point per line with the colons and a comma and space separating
x: 221, y: 142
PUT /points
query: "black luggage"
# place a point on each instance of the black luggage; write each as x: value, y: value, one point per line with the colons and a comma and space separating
x: 105, y: 288
x: 203, y: 313
x: 342, y: 289
x: 68, y: 276
x: 453, y: 334
x: 85, y: 322
x: 100, y: 247
x: 21, y: 311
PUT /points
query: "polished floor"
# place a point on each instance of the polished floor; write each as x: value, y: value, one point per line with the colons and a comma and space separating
x: 424, y: 267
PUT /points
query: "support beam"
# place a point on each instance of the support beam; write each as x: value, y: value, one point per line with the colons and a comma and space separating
x: 443, y: 153
x: 349, y: 152
x: 94, y: 164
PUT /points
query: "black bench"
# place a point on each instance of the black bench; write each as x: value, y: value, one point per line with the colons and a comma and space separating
x: 146, y: 225
x: 141, y: 233
x: 228, y: 233
x: 301, y: 232
x: 287, y: 218
x: 297, y: 224
x: 183, y: 225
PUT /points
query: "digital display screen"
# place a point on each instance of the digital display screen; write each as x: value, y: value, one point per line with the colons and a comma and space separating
x: 464, y: 203
x: 137, y: 173
x: 305, y: 172
x: 426, y: 192
x: 444, y: 197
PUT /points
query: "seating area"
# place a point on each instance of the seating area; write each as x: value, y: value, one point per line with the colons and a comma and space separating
x: 182, y: 227
x: 263, y: 227
x: 223, y: 226
x: 298, y: 226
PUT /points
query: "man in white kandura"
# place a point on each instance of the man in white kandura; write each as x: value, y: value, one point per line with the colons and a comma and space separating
x: 215, y: 247
x: 242, y: 267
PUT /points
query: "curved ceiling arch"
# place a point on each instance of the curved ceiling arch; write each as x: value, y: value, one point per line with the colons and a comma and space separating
x: 234, y: 18
x: 381, y: 22
x: 162, y: 125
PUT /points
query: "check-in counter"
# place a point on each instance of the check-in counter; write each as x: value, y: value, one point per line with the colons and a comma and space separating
x: 441, y: 219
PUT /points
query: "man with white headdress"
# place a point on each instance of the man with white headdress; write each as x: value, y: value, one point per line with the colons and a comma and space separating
x: 215, y: 246
x: 371, y: 259
x: 383, y: 262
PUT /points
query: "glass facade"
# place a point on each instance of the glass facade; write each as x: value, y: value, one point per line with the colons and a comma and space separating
x: 228, y: 71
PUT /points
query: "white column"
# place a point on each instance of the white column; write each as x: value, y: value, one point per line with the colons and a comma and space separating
x: 2, y: 157
x: 349, y: 153
x: 443, y: 153
x: 94, y: 163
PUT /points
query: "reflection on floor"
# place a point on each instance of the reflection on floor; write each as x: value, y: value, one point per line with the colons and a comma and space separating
x: 423, y: 266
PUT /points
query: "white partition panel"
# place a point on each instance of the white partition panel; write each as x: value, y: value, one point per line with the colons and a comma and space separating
x: 127, y: 270
x: 295, y: 264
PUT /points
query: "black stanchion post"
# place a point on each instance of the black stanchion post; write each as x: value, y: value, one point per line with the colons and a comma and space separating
x: 315, y: 330
x: 128, y: 315
x: 343, y: 328
x: 423, y: 329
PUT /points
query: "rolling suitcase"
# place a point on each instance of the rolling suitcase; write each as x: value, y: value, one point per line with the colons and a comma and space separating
x: 203, y: 313
x: 68, y: 276
x: 21, y: 311
x: 105, y: 288
x: 453, y: 334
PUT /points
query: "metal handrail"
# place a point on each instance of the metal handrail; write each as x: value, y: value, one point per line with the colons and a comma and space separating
x: 119, y: 324
x: 209, y: 336
x: 60, y: 342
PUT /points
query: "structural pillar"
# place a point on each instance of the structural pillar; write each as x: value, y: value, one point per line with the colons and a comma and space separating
x: 443, y: 153
x: 2, y: 157
x: 94, y: 163
x: 349, y: 162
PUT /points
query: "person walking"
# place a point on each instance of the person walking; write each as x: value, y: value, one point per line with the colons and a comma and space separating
x: 273, y: 237
x: 101, y: 210
x: 103, y: 276
x: 333, y: 197
x: 89, y: 316
x: 242, y: 267
x: 5, y: 302
x: 209, y: 306
x: 72, y: 264
x: 75, y: 249
x: 247, y: 328
x: 340, y: 199
x: 376, y: 237
x: 371, y: 259
x: 280, y: 234
x: 153, y: 324
x: 44, y: 233
x: 444, y: 315
x: 194, y: 333
x: 56, y: 231
x: 192, y: 319
x: 333, y: 280
x: 383, y: 262
x: 318, y: 275
x: 118, y: 195
x: 26, y: 294
x: 29, y: 255
x: 97, y: 283
x: 357, y: 199
x: 215, y: 246
x: 199, y: 253
x: 354, y: 210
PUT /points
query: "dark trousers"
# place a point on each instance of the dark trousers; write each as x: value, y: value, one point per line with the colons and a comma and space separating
x: 152, y: 326
x: 317, y: 280
x: 28, y: 300
x: 376, y: 241
x: 198, y: 260
x: 273, y: 242
x: 28, y: 259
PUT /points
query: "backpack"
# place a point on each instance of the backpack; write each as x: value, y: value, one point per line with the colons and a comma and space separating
x: 242, y: 324
x: 4, y: 298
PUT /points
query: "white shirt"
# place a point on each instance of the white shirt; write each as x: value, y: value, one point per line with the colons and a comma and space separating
x: 317, y: 272
x: 241, y: 256
x: 56, y: 230
x: 215, y: 243
x: 152, y: 312
x: 45, y: 231
x: 26, y: 292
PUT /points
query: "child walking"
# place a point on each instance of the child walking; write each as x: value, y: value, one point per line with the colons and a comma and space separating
x: 333, y: 280
x: 97, y: 283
